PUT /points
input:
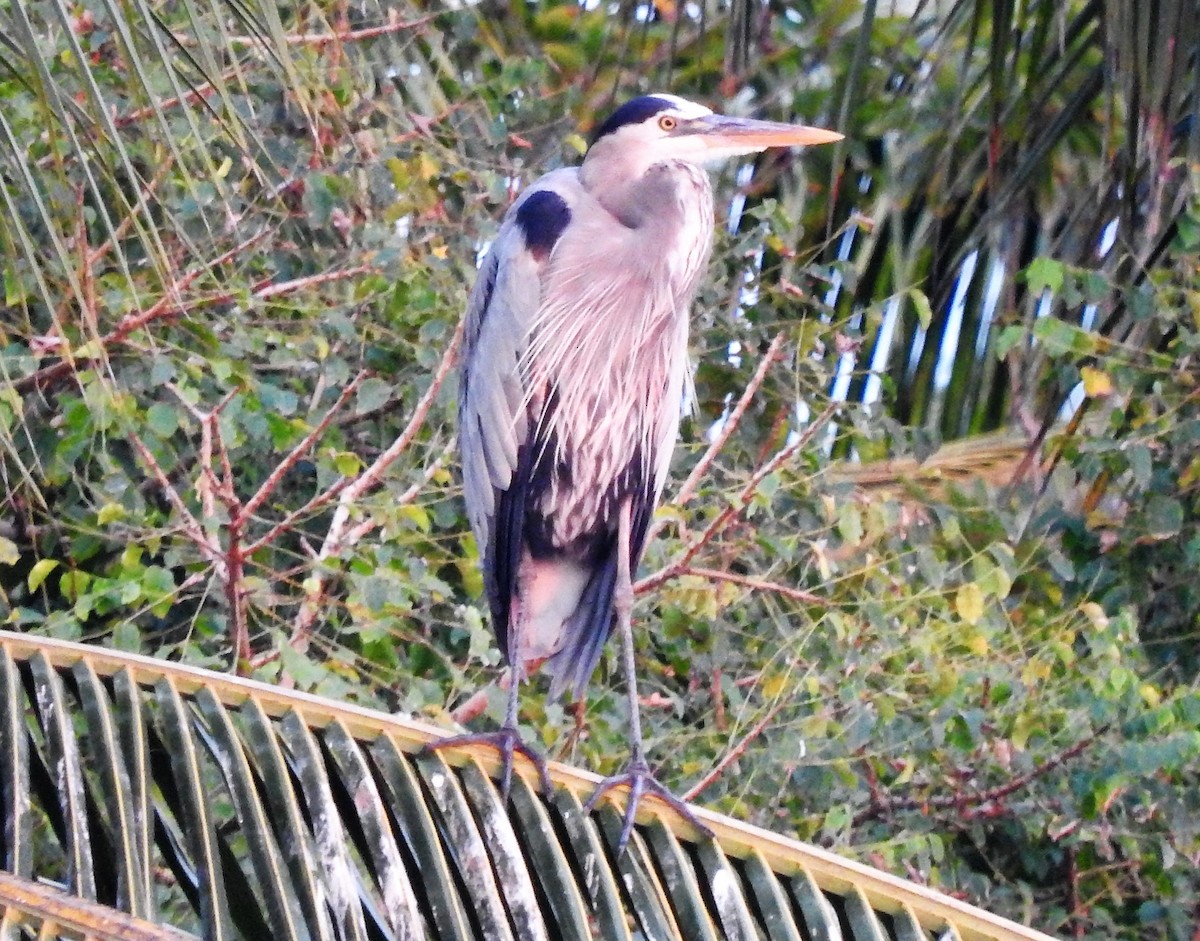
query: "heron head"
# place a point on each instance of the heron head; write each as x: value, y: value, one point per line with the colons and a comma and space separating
x: 657, y: 128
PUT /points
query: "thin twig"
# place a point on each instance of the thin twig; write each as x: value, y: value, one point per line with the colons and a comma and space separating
x: 206, y: 482
x: 272, y: 481
x: 373, y: 475
x: 962, y: 802
x: 718, y: 698
x: 191, y: 525
x: 235, y: 557
x: 286, y: 287
x: 688, y: 490
x: 203, y: 90
x: 1074, y: 904
x: 226, y: 491
x: 734, y: 753
x: 758, y: 584
x: 354, y: 35
x: 285, y: 524
x: 168, y: 305
x: 266, y: 288
x: 735, y: 508
x: 356, y: 532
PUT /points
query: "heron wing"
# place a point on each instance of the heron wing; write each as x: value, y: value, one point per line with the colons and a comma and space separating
x: 497, y: 414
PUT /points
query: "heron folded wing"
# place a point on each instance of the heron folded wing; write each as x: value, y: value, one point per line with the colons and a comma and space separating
x: 497, y: 412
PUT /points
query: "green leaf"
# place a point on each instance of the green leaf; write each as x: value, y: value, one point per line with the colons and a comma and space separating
x: 1187, y: 233
x: 992, y: 579
x: 158, y: 587
x: 1060, y: 337
x: 162, y: 419
x: 38, y: 573
x: 850, y: 523
x: 284, y: 431
x: 1141, y: 464
x: 9, y: 553
x: 921, y: 305
x: 127, y: 636
x: 417, y: 515
x: 276, y: 399
x: 962, y: 731
x: 347, y: 463
x: 109, y: 513
x: 372, y: 394
x: 1163, y: 516
x: 1010, y: 337
x: 73, y: 584
x: 1045, y: 274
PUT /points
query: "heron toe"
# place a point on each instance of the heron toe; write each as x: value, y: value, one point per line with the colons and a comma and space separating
x: 508, y: 742
x: 641, y: 782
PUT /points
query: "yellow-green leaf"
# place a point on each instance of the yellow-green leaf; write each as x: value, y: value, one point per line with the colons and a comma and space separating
x: 774, y: 685
x: 921, y: 305
x: 110, y: 512
x: 38, y: 573
x: 89, y: 350
x: 969, y: 602
x: 1096, y: 382
x: 347, y: 463
x: 9, y: 554
x: 850, y: 524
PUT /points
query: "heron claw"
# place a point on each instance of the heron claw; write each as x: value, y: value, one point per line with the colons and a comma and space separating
x: 641, y: 781
x: 507, y: 741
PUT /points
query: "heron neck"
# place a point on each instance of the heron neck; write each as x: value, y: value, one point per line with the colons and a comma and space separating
x: 642, y: 195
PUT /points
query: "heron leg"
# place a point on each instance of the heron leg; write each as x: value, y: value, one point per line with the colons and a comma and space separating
x: 637, y: 775
x: 506, y: 740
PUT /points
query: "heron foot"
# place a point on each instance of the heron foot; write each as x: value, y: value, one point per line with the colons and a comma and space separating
x: 641, y: 782
x: 506, y: 740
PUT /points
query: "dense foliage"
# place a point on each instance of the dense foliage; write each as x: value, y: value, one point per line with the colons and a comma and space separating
x: 237, y: 242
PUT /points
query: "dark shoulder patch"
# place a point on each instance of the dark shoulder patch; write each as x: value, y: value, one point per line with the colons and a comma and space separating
x: 542, y: 218
x: 634, y: 111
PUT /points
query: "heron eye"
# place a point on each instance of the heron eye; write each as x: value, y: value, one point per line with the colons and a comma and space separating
x: 667, y: 123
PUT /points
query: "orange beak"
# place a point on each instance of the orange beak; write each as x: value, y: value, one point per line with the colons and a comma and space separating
x: 718, y: 132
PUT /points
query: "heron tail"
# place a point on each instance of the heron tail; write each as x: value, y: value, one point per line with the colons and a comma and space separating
x: 584, y: 632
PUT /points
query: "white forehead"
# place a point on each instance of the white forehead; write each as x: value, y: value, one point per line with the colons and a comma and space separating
x: 683, y: 107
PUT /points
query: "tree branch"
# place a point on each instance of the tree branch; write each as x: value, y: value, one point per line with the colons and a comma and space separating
x: 275, y: 288
x: 970, y: 805
x: 273, y: 479
x: 352, y: 35
x: 684, y: 560
x: 758, y: 584
x: 688, y: 490
x: 167, y: 305
x: 339, y: 534
x: 191, y: 525
x: 734, y: 753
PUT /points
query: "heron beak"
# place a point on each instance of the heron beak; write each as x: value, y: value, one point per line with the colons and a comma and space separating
x: 721, y: 133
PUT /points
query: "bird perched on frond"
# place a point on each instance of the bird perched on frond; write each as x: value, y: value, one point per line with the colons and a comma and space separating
x: 571, y: 387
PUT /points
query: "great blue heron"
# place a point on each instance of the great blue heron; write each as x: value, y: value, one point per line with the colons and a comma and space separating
x: 572, y: 383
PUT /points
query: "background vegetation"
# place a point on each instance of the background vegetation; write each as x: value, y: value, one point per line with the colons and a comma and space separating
x: 237, y: 242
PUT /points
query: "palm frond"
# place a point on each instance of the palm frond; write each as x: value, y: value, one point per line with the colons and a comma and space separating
x: 235, y: 809
x: 34, y: 908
